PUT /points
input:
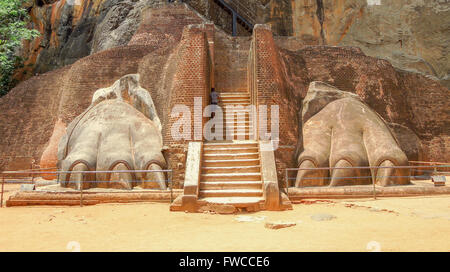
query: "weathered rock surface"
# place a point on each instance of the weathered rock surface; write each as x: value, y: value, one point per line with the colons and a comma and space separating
x: 319, y: 95
x: 74, y: 29
x: 412, y: 35
x: 279, y: 225
x: 218, y: 208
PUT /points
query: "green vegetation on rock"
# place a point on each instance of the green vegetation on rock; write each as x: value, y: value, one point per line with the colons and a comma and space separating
x: 13, y: 29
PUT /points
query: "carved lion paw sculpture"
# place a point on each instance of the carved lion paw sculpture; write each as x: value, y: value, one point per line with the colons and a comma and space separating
x: 341, y: 131
x: 119, y: 131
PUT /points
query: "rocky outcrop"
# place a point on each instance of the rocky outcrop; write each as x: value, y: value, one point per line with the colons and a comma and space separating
x: 73, y: 29
x: 412, y: 35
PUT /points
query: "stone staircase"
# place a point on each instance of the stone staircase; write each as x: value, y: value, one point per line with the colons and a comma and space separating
x: 231, y: 169
x: 237, y: 121
x: 231, y: 174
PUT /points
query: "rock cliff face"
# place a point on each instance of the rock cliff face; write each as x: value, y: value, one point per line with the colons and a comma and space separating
x: 413, y: 35
x: 73, y: 29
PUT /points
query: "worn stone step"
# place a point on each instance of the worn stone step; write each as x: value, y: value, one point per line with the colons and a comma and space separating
x: 231, y: 177
x: 234, y: 103
x: 252, y: 204
x: 223, y: 185
x: 229, y: 149
x: 234, y: 132
x: 232, y: 193
x: 246, y: 136
x: 231, y: 144
x: 235, y: 110
x: 234, y: 125
x: 235, y: 122
x: 228, y: 156
x: 232, y: 162
x: 232, y: 169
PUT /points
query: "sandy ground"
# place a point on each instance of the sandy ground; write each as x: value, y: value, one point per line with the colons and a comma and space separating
x: 392, y: 224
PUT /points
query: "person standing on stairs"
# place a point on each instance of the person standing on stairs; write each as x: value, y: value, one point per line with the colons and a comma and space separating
x: 214, y: 101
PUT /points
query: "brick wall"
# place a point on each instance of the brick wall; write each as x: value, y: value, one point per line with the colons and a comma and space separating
x: 268, y: 87
x: 192, y: 80
x: 27, y: 116
x: 231, y: 60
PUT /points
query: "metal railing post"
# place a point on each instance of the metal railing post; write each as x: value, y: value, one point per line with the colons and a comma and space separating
x: 81, y: 193
x: 3, y: 186
x: 171, y: 186
x: 287, y: 182
x: 234, y: 24
x: 374, y: 189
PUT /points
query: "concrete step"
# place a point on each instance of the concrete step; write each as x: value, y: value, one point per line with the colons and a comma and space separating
x: 238, y: 130
x: 234, y: 121
x: 222, y: 144
x: 223, y: 185
x: 229, y: 149
x: 231, y: 177
x: 229, y: 163
x: 232, y: 193
x: 229, y: 124
x: 251, y: 204
x: 241, y: 137
x: 232, y: 169
x: 235, y: 109
x: 231, y: 156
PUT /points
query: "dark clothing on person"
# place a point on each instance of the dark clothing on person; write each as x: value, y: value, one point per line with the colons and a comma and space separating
x: 214, y: 98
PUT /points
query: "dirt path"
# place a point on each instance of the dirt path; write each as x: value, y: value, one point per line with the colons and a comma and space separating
x: 401, y: 224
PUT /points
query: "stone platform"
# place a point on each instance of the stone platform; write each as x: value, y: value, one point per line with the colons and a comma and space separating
x: 418, y: 188
x: 55, y: 195
x: 58, y: 196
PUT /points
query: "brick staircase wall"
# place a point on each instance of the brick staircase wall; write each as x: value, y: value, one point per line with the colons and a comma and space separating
x: 267, y: 84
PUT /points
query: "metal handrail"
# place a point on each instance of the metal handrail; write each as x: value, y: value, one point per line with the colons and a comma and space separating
x: 238, y: 5
x: 369, y: 167
x: 32, y: 173
x: 235, y: 12
x: 287, y: 179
